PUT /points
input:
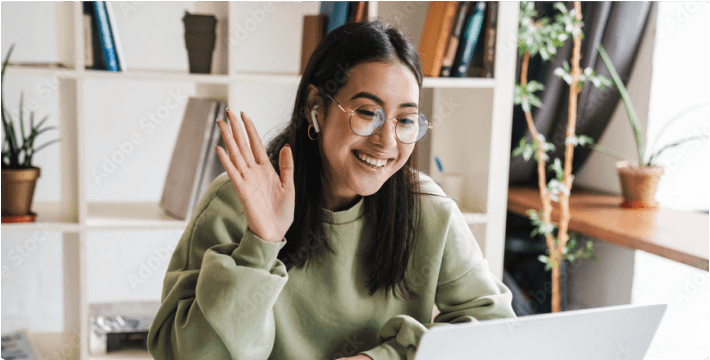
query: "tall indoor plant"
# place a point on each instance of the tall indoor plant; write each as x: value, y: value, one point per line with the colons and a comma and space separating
x: 19, y: 176
x: 543, y: 37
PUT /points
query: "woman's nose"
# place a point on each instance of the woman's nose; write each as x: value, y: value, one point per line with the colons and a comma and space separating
x: 386, y: 136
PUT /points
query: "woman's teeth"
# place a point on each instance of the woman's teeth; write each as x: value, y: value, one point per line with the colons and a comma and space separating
x: 369, y: 160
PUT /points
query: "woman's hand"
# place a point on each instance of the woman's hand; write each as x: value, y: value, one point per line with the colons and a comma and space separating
x: 268, y: 200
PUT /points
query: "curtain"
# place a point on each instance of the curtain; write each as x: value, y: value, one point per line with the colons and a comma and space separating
x: 619, y: 27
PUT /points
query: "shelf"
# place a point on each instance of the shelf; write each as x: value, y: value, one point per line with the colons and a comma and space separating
x: 133, y: 215
x: 156, y: 75
x: 51, y: 217
x: 475, y: 83
x: 124, y: 354
x: 240, y: 77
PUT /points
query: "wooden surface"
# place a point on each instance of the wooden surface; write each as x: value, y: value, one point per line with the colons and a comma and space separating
x: 676, y: 235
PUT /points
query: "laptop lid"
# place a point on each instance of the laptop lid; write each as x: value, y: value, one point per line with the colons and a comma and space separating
x: 621, y: 332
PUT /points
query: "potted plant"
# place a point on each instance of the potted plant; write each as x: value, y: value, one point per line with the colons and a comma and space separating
x: 638, y: 181
x: 18, y: 175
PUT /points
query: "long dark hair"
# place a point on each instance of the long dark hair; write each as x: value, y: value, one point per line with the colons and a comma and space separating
x: 395, y: 208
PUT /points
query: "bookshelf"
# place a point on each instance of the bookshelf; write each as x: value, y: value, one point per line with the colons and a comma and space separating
x: 472, y: 118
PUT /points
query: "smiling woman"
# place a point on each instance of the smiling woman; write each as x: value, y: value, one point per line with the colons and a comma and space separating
x: 328, y: 243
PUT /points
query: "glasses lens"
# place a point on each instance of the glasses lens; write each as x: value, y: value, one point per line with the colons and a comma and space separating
x: 411, y: 128
x: 366, y: 119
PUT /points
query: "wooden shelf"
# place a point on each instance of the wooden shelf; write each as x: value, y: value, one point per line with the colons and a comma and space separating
x: 681, y: 236
x: 133, y: 215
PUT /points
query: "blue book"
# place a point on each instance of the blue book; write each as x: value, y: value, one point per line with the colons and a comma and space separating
x: 337, y: 13
x: 104, y: 30
x: 470, y: 37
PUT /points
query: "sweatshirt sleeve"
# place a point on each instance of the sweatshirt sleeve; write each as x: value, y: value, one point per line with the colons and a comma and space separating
x: 220, y: 287
x: 466, y: 291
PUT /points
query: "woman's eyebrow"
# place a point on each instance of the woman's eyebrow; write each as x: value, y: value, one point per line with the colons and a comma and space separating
x: 373, y: 97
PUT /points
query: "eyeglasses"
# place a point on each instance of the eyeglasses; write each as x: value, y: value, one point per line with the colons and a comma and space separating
x: 366, y: 120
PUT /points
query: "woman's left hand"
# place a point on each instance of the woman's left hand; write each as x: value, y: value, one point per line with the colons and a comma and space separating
x: 359, y: 357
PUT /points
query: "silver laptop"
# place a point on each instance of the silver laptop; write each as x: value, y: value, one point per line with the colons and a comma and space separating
x: 622, y: 332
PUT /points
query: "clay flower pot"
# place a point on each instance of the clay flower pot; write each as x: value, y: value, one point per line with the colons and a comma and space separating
x: 18, y: 189
x: 638, y: 185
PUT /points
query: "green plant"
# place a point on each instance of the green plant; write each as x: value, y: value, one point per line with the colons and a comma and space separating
x: 11, y: 148
x: 633, y: 120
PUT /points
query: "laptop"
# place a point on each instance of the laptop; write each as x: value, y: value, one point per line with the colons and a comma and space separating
x: 621, y: 332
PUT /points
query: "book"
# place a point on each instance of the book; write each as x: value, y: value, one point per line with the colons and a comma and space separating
x: 16, y: 345
x: 180, y: 193
x: 211, y: 166
x: 97, y: 62
x: 88, y: 46
x: 470, y: 36
x: 313, y: 33
x: 360, y: 14
x: 115, y: 37
x: 356, y: 11
x: 435, y: 35
x: 337, y: 13
x: 104, y: 31
x: 489, y: 49
x: 453, y: 44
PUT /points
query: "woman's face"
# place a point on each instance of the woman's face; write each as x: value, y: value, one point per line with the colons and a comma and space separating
x: 391, y: 86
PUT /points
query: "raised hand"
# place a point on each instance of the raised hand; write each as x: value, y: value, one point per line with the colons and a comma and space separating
x: 268, y: 200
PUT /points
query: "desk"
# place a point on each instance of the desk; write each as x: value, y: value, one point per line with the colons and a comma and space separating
x: 681, y: 236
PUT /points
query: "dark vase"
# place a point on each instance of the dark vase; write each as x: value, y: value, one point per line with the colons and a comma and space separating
x: 200, y: 39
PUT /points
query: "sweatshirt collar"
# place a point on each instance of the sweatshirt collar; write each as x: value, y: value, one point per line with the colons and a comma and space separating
x: 344, y: 216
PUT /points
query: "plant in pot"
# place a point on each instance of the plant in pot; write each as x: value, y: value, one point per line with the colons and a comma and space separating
x: 638, y: 181
x: 18, y: 175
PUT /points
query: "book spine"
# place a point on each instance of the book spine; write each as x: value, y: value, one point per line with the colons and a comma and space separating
x: 116, y: 38
x: 454, y: 40
x: 490, y: 46
x: 473, y: 30
x: 435, y: 35
x: 109, y: 53
x: 88, y: 48
x: 313, y: 28
x: 337, y: 13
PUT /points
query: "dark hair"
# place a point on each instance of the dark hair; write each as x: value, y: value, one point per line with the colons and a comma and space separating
x: 395, y: 208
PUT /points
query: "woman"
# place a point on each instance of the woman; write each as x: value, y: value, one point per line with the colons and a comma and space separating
x: 326, y: 247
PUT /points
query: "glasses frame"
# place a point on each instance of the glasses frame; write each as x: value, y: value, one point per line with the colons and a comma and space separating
x: 350, y: 121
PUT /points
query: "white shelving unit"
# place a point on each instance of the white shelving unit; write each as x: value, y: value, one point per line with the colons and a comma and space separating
x: 472, y: 117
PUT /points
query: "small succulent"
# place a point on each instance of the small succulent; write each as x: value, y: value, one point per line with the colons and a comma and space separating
x: 11, y: 148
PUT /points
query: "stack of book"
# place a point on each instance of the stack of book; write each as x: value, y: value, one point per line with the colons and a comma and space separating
x: 458, y: 39
x: 194, y: 164
x: 332, y: 14
x: 102, y: 45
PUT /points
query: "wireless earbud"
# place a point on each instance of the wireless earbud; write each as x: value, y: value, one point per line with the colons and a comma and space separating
x: 315, y: 118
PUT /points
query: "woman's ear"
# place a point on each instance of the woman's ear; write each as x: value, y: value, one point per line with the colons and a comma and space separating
x: 314, y: 105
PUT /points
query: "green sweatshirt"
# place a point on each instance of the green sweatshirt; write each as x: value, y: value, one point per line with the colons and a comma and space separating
x: 227, y: 296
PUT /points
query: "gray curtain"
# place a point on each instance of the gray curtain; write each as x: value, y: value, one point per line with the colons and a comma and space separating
x: 619, y: 27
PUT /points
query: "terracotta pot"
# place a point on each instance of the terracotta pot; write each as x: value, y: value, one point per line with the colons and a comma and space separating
x: 638, y: 185
x: 18, y: 189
